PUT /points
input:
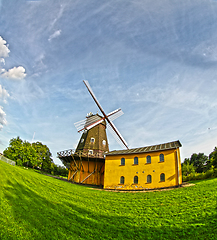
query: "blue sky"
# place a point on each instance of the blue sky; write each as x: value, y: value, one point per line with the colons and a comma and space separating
x: 156, y: 60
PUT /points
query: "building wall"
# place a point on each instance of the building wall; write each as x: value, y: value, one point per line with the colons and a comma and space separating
x: 99, y: 134
x: 82, y: 169
x: 114, y: 170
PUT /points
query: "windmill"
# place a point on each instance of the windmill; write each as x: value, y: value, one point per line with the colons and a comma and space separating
x: 87, y: 162
x: 93, y: 120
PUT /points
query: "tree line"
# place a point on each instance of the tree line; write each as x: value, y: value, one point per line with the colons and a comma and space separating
x: 200, y: 166
x: 33, y: 155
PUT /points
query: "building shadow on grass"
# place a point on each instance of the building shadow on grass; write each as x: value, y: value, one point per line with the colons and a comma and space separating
x: 39, y: 217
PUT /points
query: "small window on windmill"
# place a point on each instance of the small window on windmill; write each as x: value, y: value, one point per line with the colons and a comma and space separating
x: 92, y: 140
x: 82, y: 140
x: 104, y: 142
x: 91, y: 152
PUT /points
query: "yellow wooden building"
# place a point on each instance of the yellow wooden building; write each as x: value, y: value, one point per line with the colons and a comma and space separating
x: 151, y: 167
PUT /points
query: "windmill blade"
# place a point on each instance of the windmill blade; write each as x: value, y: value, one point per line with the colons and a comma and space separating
x: 94, y: 120
x: 81, y: 125
x: 94, y: 97
x: 101, y: 109
x: 94, y: 124
x: 118, y: 133
x: 115, y: 114
x: 111, y: 130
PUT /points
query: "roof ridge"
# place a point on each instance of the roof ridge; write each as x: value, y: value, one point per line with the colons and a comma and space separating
x: 151, y: 148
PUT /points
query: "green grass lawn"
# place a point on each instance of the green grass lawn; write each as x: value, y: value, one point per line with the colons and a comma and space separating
x: 35, y: 206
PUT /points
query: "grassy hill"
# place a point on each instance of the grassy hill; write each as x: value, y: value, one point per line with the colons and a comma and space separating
x: 34, y: 206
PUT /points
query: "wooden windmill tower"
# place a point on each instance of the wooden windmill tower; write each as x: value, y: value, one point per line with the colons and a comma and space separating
x: 87, y: 162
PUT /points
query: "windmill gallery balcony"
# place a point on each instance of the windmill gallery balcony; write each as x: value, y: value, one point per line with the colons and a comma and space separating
x: 67, y: 155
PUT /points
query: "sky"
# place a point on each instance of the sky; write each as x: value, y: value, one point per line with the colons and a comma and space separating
x: 156, y: 60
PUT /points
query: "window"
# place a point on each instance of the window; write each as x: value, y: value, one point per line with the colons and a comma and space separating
x: 91, y: 152
x: 104, y: 142
x: 149, y: 179
x: 162, y: 177
x: 122, y: 180
x: 92, y: 140
x: 148, y: 159
x: 161, y: 157
x: 136, y: 161
x: 82, y: 140
x: 122, y: 161
x: 135, y: 180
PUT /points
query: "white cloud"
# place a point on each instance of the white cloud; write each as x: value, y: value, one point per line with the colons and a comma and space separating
x: 2, y: 118
x: 54, y: 35
x: 3, y: 94
x: 15, y: 73
x: 4, y: 51
x: 2, y: 61
x: 59, y: 15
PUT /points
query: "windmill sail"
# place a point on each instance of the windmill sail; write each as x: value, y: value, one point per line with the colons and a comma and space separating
x: 94, y: 120
x: 116, y: 137
x: 105, y: 116
x: 83, y: 124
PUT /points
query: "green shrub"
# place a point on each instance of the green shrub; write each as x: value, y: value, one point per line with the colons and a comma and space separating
x: 212, y: 173
x: 19, y: 162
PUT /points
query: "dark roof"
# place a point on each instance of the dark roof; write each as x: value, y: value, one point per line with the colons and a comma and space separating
x: 154, y: 148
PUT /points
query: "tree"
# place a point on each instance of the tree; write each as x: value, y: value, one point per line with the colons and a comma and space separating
x: 30, y: 155
x: 199, y: 161
x: 44, y: 156
x: 213, y: 158
x: 62, y: 171
x: 187, y: 168
x: 14, y: 151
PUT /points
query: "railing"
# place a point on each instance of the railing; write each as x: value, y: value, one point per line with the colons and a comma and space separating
x: 70, y: 152
x: 66, y: 153
x: 4, y: 159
